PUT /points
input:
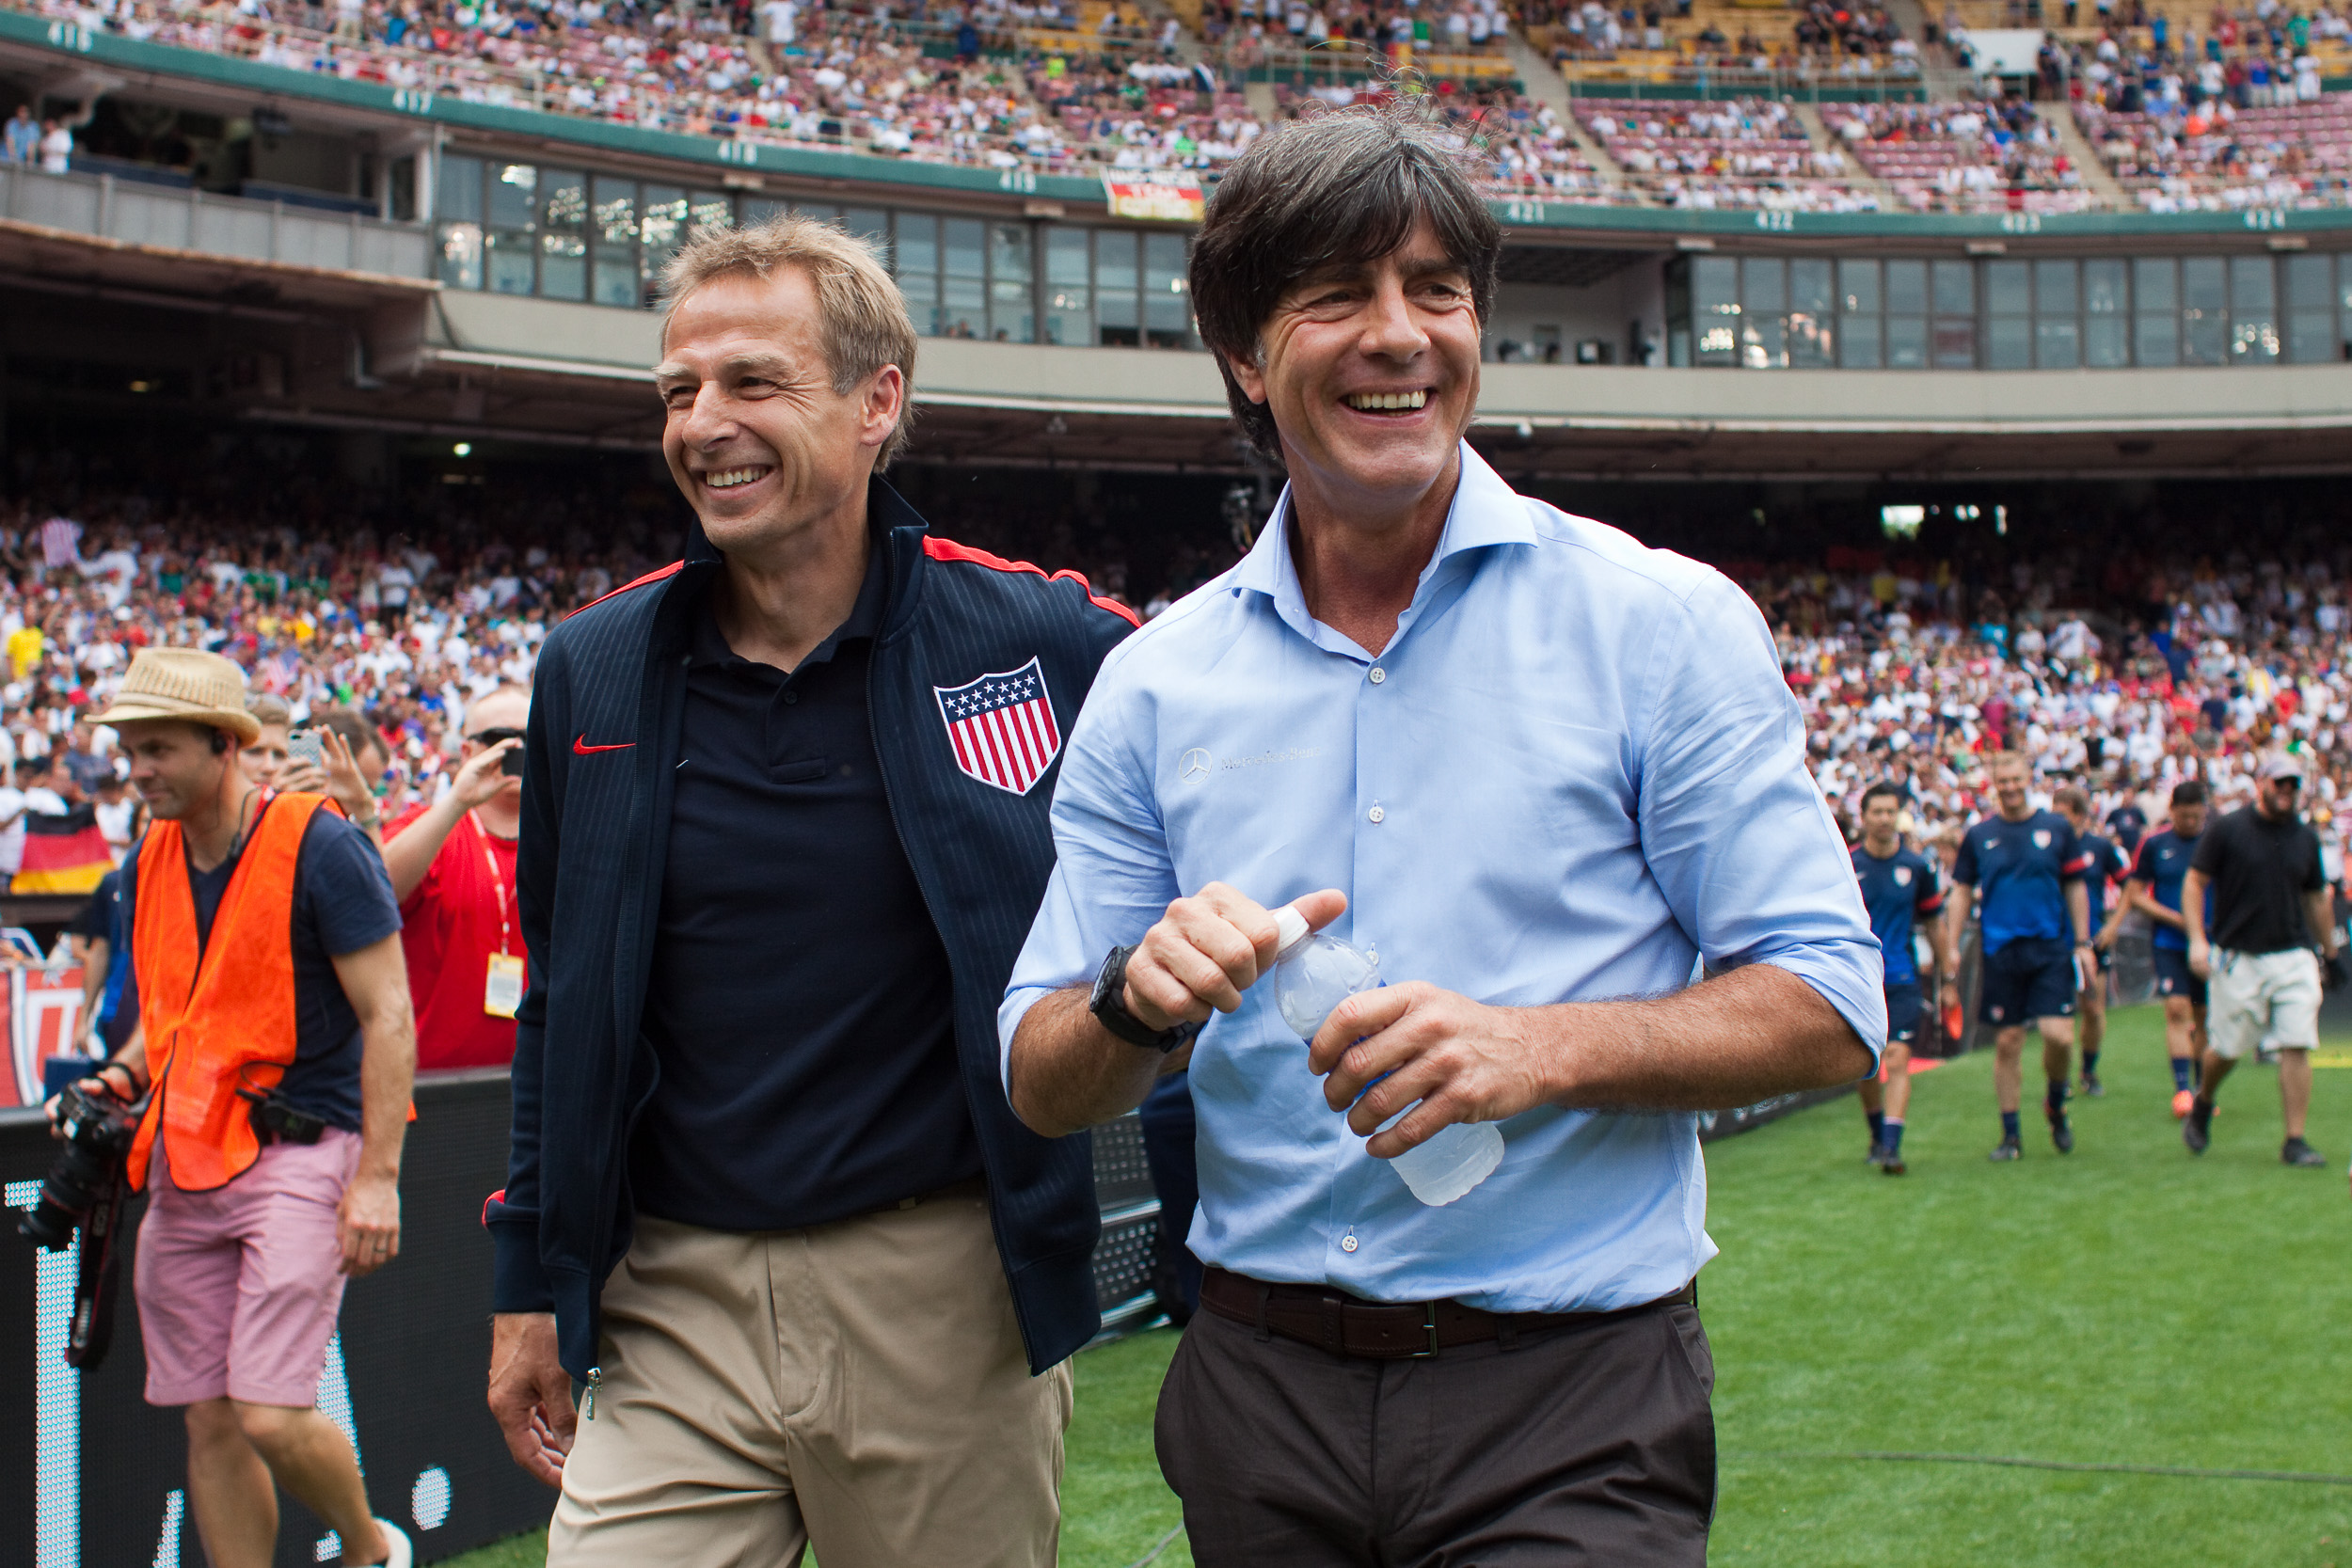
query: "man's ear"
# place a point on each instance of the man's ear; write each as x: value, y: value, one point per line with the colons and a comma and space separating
x: 885, y: 405
x: 1247, y: 374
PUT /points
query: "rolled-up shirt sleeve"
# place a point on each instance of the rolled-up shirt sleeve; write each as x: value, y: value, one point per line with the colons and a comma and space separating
x: 1737, y: 837
x: 1112, y: 874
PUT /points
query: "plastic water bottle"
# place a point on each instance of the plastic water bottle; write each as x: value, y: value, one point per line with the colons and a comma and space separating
x: 1313, y: 975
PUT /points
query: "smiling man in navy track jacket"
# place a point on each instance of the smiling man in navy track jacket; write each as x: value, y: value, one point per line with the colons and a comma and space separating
x: 783, y: 829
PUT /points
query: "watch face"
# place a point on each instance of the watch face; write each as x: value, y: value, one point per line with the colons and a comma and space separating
x: 1108, y: 981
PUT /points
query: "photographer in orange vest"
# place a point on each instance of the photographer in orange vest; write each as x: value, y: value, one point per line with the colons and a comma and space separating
x: 275, y: 1037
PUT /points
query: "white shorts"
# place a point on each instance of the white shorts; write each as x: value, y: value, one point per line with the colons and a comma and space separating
x: 2264, y: 995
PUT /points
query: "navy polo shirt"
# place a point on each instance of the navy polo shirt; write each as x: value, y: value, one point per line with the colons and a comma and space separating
x: 2107, y: 864
x: 800, y: 1004
x: 2163, y: 864
x: 2021, y: 869
x: 1898, y: 891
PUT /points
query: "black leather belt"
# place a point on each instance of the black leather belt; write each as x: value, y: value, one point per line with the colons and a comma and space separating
x: 1386, y: 1330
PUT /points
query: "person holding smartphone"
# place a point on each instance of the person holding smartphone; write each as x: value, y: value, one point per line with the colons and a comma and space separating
x: 453, y: 868
x: 337, y: 753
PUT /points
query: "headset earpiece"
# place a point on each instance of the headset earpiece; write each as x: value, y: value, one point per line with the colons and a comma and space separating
x: 220, y: 741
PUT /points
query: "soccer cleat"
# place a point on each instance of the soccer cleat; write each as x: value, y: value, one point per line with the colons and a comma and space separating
x: 2006, y: 1149
x: 1878, y: 1154
x: 1893, y: 1164
x: 2197, y: 1128
x: 2092, y: 1086
x: 2062, y: 1134
x: 2295, y: 1151
x: 2181, y: 1101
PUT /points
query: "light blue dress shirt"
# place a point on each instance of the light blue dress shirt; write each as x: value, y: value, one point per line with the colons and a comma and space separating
x: 1574, y: 773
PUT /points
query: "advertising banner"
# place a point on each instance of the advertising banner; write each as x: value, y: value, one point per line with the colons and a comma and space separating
x: 1163, y: 195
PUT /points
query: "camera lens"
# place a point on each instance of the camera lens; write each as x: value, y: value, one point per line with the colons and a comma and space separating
x: 98, y: 1136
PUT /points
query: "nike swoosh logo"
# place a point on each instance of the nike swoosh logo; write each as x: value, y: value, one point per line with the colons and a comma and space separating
x: 580, y: 747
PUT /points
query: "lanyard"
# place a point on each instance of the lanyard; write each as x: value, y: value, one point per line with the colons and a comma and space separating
x: 489, y: 858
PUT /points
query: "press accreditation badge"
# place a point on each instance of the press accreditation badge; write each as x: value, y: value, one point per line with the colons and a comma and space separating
x: 502, y: 992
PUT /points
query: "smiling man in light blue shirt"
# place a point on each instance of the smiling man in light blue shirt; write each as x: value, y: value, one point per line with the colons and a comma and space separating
x: 1540, y: 773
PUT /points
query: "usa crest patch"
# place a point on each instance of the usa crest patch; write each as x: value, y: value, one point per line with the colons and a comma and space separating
x: 1902, y: 875
x: 2042, y: 838
x: 1001, y: 727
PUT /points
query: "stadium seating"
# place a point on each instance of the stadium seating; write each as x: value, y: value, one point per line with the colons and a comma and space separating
x: 2292, y: 156
x: 1746, y: 152
x: 1081, y: 85
x: 1967, y: 157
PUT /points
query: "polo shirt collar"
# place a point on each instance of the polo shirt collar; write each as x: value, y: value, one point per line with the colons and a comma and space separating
x: 1485, y: 512
x: 708, y: 647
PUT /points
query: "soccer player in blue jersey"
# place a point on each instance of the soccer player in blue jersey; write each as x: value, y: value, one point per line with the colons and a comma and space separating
x: 1899, y: 887
x: 2108, y: 863
x: 2154, y: 888
x: 2036, y: 923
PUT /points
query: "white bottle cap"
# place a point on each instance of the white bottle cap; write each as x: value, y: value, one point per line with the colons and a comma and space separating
x: 1290, y: 928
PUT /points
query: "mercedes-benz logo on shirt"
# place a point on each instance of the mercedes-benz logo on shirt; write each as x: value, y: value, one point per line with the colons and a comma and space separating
x: 1193, y: 764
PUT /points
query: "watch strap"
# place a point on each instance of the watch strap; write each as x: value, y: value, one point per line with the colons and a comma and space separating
x: 1109, y: 1008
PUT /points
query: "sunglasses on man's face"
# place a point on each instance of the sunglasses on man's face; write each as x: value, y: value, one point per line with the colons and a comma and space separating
x: 492, y: 736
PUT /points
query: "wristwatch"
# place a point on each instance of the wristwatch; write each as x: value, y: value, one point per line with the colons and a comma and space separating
x: 1109, y: 1006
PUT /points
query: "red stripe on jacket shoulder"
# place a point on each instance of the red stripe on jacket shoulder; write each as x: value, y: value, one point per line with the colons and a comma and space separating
x: 947, y: 549
x: 670, y: 571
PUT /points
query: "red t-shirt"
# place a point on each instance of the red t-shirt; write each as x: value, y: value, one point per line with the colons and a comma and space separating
x: 451, y: 927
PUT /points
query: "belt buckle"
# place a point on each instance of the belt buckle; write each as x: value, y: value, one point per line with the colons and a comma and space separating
x: 1429, y: 1323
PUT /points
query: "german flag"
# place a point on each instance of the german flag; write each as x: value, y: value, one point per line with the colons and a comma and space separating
x: 62, y: 853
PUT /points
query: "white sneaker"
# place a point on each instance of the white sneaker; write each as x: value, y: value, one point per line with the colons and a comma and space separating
x: 398, y: 1552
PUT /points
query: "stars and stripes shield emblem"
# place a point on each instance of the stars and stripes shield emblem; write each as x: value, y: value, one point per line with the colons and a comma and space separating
x: 1002, y: 727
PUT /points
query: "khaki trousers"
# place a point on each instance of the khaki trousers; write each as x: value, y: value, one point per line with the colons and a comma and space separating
x: 859, y: 1385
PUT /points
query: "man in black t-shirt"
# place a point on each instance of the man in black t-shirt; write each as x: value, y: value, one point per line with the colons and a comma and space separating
x: 2270, y: 904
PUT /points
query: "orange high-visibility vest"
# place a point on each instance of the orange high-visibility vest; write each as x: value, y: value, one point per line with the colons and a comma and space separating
x: 222, y: 1019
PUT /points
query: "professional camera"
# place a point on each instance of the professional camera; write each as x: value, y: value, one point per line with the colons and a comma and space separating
x: 83, y: 1196
x: 98, y: 1130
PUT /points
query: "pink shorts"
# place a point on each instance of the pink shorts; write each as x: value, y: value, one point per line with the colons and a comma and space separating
x: 238, y: 1288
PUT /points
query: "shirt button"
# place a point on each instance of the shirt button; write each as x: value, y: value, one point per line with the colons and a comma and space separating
x: 1379, y: 675
x: 1349, y: 1242
x: 790, y: 698
x: 1377, y: 814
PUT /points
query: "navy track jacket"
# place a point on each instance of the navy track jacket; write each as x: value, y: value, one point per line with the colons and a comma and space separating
x: 606, y: 717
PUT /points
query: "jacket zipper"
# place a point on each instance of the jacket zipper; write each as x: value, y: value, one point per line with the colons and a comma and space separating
x: 596, y: 1381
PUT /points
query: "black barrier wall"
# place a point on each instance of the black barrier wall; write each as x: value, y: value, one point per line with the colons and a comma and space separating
x: 104, y: 1470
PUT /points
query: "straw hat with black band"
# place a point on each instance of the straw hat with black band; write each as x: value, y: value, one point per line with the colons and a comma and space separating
x: 187, y: 685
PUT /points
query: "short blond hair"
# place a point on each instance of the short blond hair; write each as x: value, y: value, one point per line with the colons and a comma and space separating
x: 865, y: 324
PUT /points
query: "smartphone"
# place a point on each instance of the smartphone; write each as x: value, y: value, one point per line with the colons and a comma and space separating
x: 512, y: 764
x: 306, y: 745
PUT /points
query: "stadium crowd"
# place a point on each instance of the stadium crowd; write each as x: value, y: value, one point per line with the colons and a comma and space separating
x: 2231, y: 117
x: 1960, y: 156
x: 2177, y: 666
x: 1744, y: 153
x: 1906, y: 670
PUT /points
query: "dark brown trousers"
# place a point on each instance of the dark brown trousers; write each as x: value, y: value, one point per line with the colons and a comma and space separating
x: 1592, y: 1444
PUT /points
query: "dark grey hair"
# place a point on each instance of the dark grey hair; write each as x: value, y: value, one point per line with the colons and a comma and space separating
x: 1332, y: 189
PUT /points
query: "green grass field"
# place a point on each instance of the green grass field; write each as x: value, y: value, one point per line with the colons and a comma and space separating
x: 2126, y: 1304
